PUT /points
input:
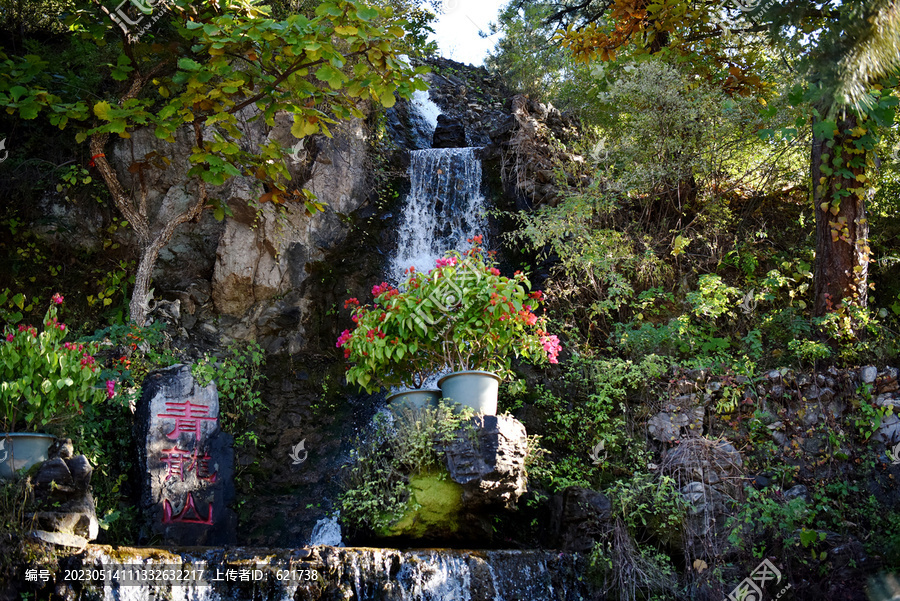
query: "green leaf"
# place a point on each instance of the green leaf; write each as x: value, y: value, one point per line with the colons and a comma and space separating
x: 101, y: 109
x: 17, y: 92
x: 367, y: 13
x: 189, y: 64
x: 332, y: 76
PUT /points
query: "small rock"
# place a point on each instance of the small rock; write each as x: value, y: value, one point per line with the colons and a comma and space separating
x: 81, y: 471
x: 868, y: 374
x: 797, y: 491
x: 61, y: 539
x: 62, y: 448
x: 762, y: 481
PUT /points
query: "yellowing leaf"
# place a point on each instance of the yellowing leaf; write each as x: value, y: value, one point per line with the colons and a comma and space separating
x: 101, y: 109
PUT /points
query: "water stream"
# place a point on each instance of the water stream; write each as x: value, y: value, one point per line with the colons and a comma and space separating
x: 445, y: 206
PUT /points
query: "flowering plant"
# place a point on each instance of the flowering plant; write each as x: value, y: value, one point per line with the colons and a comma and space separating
x: 44, y: 380
x: 462, y: 314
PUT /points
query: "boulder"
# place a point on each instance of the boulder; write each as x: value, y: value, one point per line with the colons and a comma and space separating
x: 64, y: 512
x: 484, y: 470
x: 491, y: 466
x: 449, y: 133
x: 577, y: 517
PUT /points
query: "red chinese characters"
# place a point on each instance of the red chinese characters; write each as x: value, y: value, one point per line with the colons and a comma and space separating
x: 188, y: 416
x: 180, y: 461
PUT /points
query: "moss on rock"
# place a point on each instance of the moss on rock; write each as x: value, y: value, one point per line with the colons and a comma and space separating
x: 434, y: 506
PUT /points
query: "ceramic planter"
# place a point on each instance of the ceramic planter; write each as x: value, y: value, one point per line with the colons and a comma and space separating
x: 415, y: 399
x: 475, y: 389
x: 22, y: 450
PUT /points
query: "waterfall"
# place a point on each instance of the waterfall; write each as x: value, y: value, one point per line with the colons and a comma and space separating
x: 327, y: 573
x: 327, y: 531
x: 445, y: 208
x: 427, y: 109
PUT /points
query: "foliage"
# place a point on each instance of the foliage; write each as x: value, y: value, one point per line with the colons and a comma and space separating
x: 765, y: 525
x: 528, y: 63
x: 462, y: 314
x: 46, y: 381
x: 649, y: 505
x: 592, y: 411
x: 237, y: 374
x: 403, y: 444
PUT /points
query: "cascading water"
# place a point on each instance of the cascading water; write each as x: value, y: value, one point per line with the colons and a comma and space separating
x: 445, y: 208
x: 329, y: 574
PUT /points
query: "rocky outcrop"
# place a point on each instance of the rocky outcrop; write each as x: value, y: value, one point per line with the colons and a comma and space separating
x: 469, y: 95
x: 65, y: 514
x: 578, y: 517
x: 449, y: 133
x: 484, y: 471
x: 528, y: 143
x: 249, y: 268
x: 262, y: 257
x: 491, y: 465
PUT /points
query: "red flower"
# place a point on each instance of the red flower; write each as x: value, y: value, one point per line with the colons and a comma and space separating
x: 350, y: 302
x: 495, y: 271
x: 57, y: 299
x: 343, y: 338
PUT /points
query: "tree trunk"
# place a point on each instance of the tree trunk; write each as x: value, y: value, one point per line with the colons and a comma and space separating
x: 842, y: 247
x: 139, y: 307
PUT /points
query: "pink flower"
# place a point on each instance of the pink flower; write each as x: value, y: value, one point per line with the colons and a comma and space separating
x: 495, y: 271
x: 448, y: 262
x: 57, y: 299
x: 110, y: 388
x: 9, y: 337
x: 551, y: 347
x: 343, y: 338
x: 381, y: 288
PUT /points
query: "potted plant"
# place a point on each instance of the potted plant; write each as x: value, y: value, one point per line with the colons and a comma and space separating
x: 386, y: 352
x: 462, y: 315
x: 43, y: 382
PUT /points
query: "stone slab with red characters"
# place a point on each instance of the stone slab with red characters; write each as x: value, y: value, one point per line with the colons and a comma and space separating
x: 187, y: 461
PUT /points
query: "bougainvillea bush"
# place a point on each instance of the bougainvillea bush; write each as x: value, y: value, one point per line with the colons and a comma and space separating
x: 460, y: 315
x: 44, y: 380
